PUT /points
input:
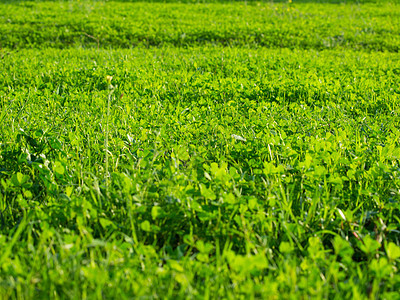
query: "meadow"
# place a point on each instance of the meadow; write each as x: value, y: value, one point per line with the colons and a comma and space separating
x: 199, y: 150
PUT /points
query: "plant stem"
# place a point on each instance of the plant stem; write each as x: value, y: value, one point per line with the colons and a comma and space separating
x: 106, y: 140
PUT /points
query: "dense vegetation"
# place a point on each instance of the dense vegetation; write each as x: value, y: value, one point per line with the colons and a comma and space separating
x: 125, y: 25
x: 239, y: 150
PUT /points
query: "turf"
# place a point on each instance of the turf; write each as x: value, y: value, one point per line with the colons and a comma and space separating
x: 371, y: 26
x: 240, y: 150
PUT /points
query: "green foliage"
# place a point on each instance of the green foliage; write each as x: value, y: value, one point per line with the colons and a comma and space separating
x: 228, y: 172
x: 286, y: 24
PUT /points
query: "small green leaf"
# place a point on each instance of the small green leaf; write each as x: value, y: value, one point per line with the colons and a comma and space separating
x: 19, y: 179
x: 393, y: 251
x: 285, y: 247
x: 174, y: 265
x: 156, y: 212
x: 342, y: 247
x: 28, y: 194
x: 145, y: 225
x: 59, y: 168
x: 369, y: 245
x: 105, y: 222
x: 252, y: 203
x: 69, y: 190
x: 229, y: 198
x: 207, y: 192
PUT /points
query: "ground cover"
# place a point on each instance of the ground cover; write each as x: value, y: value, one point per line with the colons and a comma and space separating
x: 372, y: 26
x: 200, y: 170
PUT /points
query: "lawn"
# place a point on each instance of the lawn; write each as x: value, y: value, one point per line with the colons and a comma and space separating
x: 199, y: 149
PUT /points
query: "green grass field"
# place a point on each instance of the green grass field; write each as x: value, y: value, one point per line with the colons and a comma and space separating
x: 240, y: 150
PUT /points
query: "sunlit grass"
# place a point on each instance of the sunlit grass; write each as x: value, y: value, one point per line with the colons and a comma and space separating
x: 201, y: 171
